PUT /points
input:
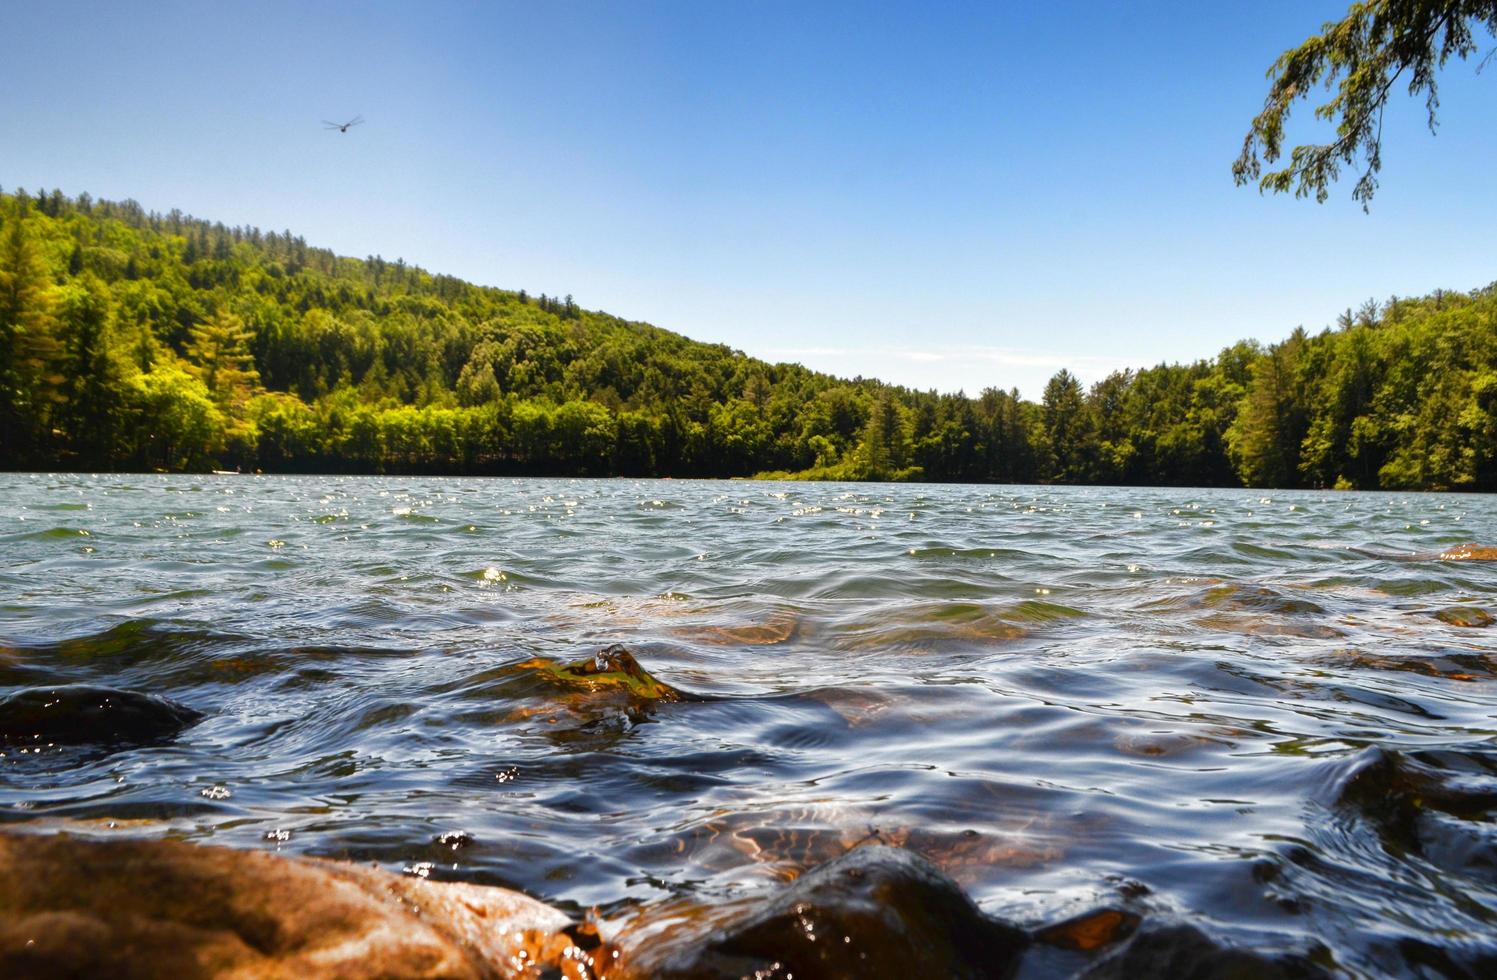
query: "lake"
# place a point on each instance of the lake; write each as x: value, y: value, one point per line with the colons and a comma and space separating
x: 1257, y: 713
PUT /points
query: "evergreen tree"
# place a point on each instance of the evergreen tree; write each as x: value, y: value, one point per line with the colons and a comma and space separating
x: 114, y: 350
x: 93, y: 373
x: 1069, y: 429
x: 28, y: 347
x: 221, y: 359
x: 1265, y: 438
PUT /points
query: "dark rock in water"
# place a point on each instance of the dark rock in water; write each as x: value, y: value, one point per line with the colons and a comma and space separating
x: 1091, y: 930
x: 83, y: 715
x: 1183, y: 952
x: 874, y: 912
x: 1433, y: 803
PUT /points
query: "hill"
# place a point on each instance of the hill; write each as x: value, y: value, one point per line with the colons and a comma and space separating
x: 137, y: 340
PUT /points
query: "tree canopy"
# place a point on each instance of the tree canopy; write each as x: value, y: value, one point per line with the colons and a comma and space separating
x: 1361, y: 57
x: 136, y: 340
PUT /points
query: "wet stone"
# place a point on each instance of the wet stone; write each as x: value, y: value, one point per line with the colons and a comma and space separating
x: 87, y: 715
x: 1436, y: 804
x: 875, y: 912
x: 1469, y: 552
x: 616, y: 667
x: 1090, y: 931
x: 454, y: 840
x: 1471, y: 617
x: 1183, y: 952
x: 72, y: 907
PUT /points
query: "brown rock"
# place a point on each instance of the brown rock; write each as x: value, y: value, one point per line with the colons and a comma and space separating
x: 71, y: 906
x: 1470, y: 617
x: 1469, y: 552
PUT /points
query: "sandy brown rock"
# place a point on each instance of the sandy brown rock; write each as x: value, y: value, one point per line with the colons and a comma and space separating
x: 1461, y: 552
x: 1470, y: 552
x: 71, y: 906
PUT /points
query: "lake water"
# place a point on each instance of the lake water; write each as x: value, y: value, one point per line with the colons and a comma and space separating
x: 1236, y: 709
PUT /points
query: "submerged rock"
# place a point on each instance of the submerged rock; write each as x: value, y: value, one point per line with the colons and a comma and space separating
x: 156, y: 908
x: 79, y: 714
x: 876, y: 911
x: 1470, y: 617
x: 1436, y: 804
x: 1469, y: 552
x: 785, y: 843
x: 1183, y: 952
x: 1460, y: 552
x: 82, y: 906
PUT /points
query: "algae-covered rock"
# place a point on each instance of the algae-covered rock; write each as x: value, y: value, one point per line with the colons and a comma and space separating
x: 1469, y: 617
x: 601, y: 697
x: 612, y: 668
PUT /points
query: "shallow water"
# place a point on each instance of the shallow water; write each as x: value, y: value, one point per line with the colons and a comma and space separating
x: 1235, y: 709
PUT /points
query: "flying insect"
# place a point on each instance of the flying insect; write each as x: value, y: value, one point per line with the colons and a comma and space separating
x: 343, y: 127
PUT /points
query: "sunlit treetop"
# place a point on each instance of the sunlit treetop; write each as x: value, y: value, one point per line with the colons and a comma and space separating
x: 1360, y: 57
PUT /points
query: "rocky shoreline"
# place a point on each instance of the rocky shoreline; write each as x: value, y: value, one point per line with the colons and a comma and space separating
x: 77, y: 903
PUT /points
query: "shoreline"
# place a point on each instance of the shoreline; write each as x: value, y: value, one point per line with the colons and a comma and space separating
x: 94, y: 898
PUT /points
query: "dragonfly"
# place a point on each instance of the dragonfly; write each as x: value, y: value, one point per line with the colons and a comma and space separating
x: 343, y: 127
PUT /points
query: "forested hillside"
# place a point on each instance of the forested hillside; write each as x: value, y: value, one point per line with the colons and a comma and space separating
x: 135, y: 340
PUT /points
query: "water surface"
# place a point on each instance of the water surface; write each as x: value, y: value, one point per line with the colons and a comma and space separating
x: 1242, y: 710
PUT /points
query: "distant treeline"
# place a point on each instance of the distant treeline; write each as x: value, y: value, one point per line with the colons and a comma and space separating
x: 143, y: 341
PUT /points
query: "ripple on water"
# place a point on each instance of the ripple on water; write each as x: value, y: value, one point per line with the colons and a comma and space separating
x: 1219, y: 714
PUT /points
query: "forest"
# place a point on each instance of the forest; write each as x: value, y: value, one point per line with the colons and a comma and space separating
x: 134, y: 340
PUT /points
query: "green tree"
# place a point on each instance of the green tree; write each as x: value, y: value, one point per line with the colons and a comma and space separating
x: 1362, y: 55
x: 1069, y: 428
x: 93, y: 370
x: 371, y: 366
x: 178, y: 426
x: 28, y: 347
x: 221, y: 358
x: 884, y: 449
x: 1265, y: 438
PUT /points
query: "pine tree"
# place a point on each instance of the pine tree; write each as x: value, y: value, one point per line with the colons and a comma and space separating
x: 1069, y: 427
x: 1264, y: 440
x: 219, y: 351
x: 28, y: 347
x: 93, y: 370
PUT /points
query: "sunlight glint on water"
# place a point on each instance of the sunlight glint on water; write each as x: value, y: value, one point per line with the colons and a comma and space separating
x: 1238, y: 701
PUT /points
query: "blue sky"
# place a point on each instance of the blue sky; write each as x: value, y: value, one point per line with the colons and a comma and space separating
x: 944, y: 195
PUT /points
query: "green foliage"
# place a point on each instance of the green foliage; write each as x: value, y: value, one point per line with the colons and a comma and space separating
x: 1265, y: 439
x: 28, y: 344
x: 178, y: 426
x: 1362, y: 55
x: 147, y: 341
